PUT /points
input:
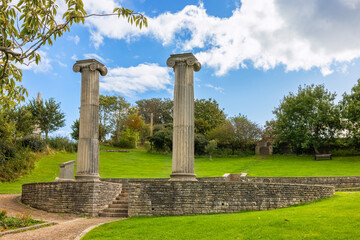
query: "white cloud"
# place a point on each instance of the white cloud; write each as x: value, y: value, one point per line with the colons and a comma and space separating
x: 75, y: 39
x: 219, y: 89
x: 94, y: 56
x: 138, y: 79
x: 43, y: 66
x: 62, y: 64
x: 296, y: 34
x: 74, y: 57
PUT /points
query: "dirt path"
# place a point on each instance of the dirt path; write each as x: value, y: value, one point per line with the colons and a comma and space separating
x: 68, y: 226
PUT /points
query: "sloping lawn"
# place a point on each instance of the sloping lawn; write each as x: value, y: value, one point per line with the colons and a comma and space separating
x: 337, y: 217
x: 141, y: 164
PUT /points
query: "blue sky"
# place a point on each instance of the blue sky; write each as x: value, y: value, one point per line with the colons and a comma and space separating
x: 253, y: 52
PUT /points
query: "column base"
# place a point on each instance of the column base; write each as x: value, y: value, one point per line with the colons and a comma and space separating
x: 190, y: 177
x: 88, y: 178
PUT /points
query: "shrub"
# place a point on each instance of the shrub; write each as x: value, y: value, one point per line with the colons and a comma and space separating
x: 162, y: 140
x: 34, y: 143
x: 200, y: 143
x: 19, y: 165
x: 6, y: 152
x: 126, y: 140
x: 61, y: 144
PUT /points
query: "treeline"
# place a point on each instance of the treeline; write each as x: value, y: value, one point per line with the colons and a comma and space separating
x: 20, y: 135
x: 123, y: 125
x: 310, y: 121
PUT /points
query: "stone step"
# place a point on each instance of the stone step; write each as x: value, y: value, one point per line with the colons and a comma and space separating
x: 108, y: 214
x: 122, y: 198
x: 116, y: 210
x: 120, y: 201
x: 121, y: 205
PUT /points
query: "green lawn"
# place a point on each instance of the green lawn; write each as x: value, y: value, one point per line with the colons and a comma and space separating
x: 337, y: 217
x: 141, y: 164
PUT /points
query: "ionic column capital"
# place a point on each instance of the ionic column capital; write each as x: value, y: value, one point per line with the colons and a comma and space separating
x: 184, y: 58
x: 91, y: 64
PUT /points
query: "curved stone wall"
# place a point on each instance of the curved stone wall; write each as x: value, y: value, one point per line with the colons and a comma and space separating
x: 70, y: 197
x: 187, y: 198
x: 337, y: 182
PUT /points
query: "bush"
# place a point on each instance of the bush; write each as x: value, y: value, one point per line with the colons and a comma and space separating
x: 61, y: 144
x: 200, y: 143
x: 19, y: 165
x: 6, y: 152
x: 162, y: 140
x: 126, y: 140
x: 22, y: 220
x: 34, y: 143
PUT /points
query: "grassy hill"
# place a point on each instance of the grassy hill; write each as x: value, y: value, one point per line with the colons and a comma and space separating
x: 141, y: 164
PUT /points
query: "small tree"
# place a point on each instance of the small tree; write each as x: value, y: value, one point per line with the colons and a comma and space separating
x: 134, y: 122
x: 75, y: 129
x: 48, y: 115
x: 210, y: 148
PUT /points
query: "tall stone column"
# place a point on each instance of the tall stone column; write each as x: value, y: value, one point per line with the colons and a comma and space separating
x: 184, y: 66
x: 88, y: 145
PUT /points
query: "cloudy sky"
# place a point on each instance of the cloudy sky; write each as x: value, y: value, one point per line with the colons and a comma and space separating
x: 253, y: 52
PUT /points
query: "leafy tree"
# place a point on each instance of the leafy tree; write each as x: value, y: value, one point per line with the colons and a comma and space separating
x: 134, y: 122
x: 112, y: 113
x: 308, y: 119
x: 224, y: 136
x: 75, y: 130
x: 246, y: 132
x: 23, y: 119
x: 208, y: 115
x: 161, y: 109
x: 162, y: 138
x: 200, y: 143
x: 211, y: 148
x: 26, y: 26
x: 350, y: 113
x: 48, y: 114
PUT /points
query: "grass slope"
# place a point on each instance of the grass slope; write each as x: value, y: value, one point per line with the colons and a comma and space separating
x: 141, y: 164
x: 332, y: 218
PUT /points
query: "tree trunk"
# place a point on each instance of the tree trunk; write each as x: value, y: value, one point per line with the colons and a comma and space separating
x: 210, y: 157
x: 136, y: 140
x: 46, y: 135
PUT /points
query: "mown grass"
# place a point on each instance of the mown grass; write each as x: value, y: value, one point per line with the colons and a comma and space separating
x: 141, y: 164
x: 332, y: 218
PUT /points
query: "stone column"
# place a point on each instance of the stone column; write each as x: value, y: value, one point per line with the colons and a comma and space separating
x: 88, y: 145
x: 183, y: 134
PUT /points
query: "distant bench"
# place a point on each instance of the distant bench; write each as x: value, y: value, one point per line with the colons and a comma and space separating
x: 323, y: 156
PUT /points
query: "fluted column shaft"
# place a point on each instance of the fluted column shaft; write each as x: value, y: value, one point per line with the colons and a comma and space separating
x: 184, y: 66
x: 88, y: 145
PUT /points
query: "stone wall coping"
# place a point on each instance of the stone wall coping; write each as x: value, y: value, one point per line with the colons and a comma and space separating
x: 70, y: 182
x: 67, y: 163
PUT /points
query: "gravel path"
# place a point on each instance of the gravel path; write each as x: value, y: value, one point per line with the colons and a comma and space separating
x: 68, y: 226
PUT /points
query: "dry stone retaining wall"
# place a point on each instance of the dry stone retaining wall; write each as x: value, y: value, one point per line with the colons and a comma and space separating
x: 337, y: 182
x: 70, y: 197
x: 187, y: 198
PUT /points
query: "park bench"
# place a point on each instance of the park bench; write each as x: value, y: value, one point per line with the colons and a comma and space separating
x: 323, y: 156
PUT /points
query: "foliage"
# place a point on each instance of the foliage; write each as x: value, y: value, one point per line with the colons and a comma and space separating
x: 26, y: 26
x: 34, y: 143
x: 126, y: 140
x: 307, y: 120
x: 161, y: 109
x: 134, y: 122
x: 16, y: 166
x: 112, y: 112
x: 224, y: 136
x: 350, y: 113
x: 48, y: 114
x: 9, y: 223
x: 246, y: 132
x: 162, y: 138
x: 75, y: 130
x: 23, y: 119
x: 61, y: 144
x: 209, y: 111
x: 210, y: 148
x: 200, y: 143
x: 7, y: 152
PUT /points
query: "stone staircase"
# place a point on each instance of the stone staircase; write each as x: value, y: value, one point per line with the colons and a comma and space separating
x: 119, y: 206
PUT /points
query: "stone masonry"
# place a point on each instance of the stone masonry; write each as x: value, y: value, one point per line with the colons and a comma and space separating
x: 184, y: 66
x: 88, y: 145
